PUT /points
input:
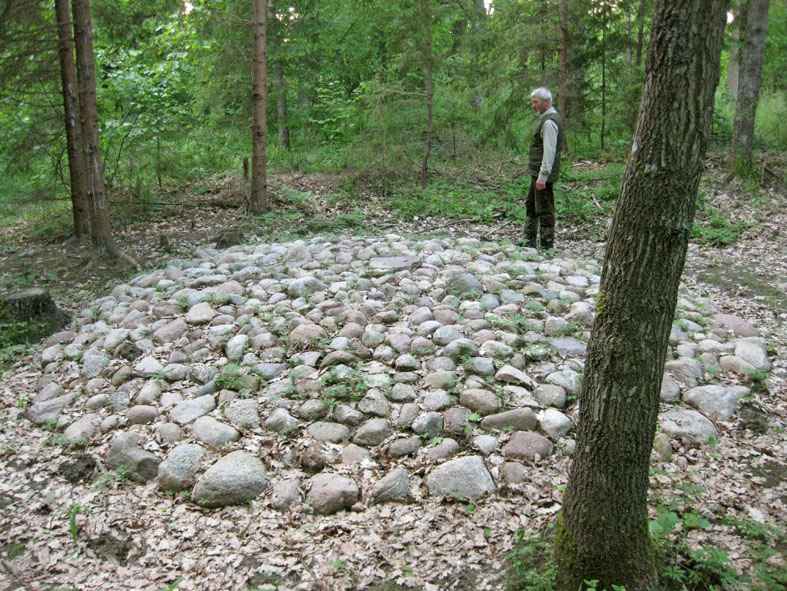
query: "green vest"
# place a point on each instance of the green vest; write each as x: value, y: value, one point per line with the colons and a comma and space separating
x: 536, y: 153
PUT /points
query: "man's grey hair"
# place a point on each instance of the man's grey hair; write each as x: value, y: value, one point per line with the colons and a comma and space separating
x: 542, y: 93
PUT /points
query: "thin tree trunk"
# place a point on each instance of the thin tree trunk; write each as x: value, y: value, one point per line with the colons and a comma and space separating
x: 427, y: 59
x: 640, y: 31
x: 80, y: 203
x: 260, y: 200
x: 603, y: 81
x: 479, y: 25
x: 565, y: 66
x: 752, y: 54
x: 602, y: 530
x: 281, y: 106
x: 86, y: 77
x: 736, y: 51
x: 629, y: 35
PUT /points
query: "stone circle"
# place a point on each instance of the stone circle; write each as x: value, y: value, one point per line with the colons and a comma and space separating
x: 442, y: 367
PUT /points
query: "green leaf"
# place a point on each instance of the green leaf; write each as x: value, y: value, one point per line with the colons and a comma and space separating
x: 663, y: 524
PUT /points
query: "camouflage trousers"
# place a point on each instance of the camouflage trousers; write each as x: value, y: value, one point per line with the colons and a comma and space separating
x: 540, y: 207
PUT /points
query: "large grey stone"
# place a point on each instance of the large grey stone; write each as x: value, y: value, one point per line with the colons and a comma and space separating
x: 125, y: 451
x: 49, y: 410
x: 83, y: 429
x: 518, y: 419
x: 214, y: 433
x: 550, y: 395
x: 94, y: 362
x: 286, y: 493
x: 304, y: 286
x: 464, y: 284
x: 567, y: 379
x: 404, y: 447
x: 142, y: 414
x: 462, y: 478
x: 171, y: 331
x: 330, y: 493
x: 243, y: 414
x: 686, y: 371
x: 717, y: 402
x: 187, y: 411
x: 372, y: 432
x: 236, y: 478
x: 375, y: 403
x: 392, y: 263
x: 148, y: 367
x: 670, y: 389
x: 527, y: 445
x: 179, y: 470
x: 754, y: 352
x: 201, y: 313
x: 512, y: 375
x: 393, y: 487
x: 687, y: 424
x: 281, y: 421
x: 325, y: 431
x: 236, y: 346
x: 305, y: 335
x: 441, y: 380
x: 738, y: 326
x: 442, y: 450
x: 481, y: 401
x: 429, y: 424
x: 568, y: 346
x: 554, y: 423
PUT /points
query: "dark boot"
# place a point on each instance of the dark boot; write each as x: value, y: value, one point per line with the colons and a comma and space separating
x: 547, y: 245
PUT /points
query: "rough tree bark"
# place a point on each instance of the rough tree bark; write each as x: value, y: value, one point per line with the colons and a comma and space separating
x: 602, y: 531
x: 86, y: 79
x: 260, y: 200
x: 750, y: 77
x: 80, y: 204
x: 427, y: 65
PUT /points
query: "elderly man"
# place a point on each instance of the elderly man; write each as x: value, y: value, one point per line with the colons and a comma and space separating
x: 544, y: 167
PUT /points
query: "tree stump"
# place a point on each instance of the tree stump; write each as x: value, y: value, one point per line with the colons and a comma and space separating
x: 32, y: 305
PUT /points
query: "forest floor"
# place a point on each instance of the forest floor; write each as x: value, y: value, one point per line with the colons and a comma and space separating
x: 747, y: 278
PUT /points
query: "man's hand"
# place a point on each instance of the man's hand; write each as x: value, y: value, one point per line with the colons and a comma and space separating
x: 540, y: 185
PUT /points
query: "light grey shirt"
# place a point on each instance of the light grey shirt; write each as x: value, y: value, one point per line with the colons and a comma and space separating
x: 549, y: 135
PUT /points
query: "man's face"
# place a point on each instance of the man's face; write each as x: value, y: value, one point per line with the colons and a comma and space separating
x: 539, y: 105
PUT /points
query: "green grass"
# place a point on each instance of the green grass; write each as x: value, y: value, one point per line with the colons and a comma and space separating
x: 713, y: 228
x: 681, y: 566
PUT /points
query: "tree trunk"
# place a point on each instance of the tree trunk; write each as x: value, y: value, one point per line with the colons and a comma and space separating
x: 281, y: 106
x: 603, y: 81
x: 86, y: 78
x: 603, y: 530
x: 565, y: 65
x: 738, y: 35
x: 427, y: 64
x: 80, y: 203
x: 260, y: 200
x: 752, y: 53
x: 640, y: 31
x: 629, y: 39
